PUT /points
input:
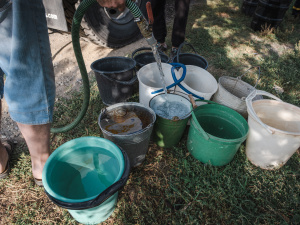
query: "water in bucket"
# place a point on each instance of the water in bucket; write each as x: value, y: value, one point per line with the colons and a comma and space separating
x: 216, y: 133
x: 169, y: 128
x: 171, y: 110
x: 81, y: 179
x: 84, y: 176
x: 129, y: 125
x: 125, y: 122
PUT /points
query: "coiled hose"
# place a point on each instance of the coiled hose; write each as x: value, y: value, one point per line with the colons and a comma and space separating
x: 82, y: 8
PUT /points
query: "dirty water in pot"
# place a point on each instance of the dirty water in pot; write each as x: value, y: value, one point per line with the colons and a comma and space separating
x: 122, y: 121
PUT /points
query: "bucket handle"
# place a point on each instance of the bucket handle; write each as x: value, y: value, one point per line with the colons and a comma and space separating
x: 130, y: 82
x: 251, y: 110
x: 180, y: 47
x: 103, y: 196
x: 197, y: 125
x: 258, y: 77
x: 192, y: 101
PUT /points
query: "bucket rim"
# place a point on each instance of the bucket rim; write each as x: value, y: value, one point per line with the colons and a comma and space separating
x: 149, y: 51
x: 193, y: 54
x: 251, y: 113
x: 128, y: 104
x: 210, y: 136
x: 136, y: 58
x: 62, y: 148
x: 141, y: 76
x: 152, y: 64
x: 113, y: 57
x: 241, y: 81
x: 214, y: 81
x: 183, y: 118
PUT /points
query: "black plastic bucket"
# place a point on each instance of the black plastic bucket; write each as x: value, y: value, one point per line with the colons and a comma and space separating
x: 143, y: 56
x: 190, y: 58
x: 269, y: 14
x: 115, y: 78
x: 249, y: 6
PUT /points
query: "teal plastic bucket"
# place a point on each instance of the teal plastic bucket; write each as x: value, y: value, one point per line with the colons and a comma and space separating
x: 84, y: 176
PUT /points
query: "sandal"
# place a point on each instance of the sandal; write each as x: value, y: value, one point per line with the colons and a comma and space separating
x: 9, y: 146
x: 38, y: 182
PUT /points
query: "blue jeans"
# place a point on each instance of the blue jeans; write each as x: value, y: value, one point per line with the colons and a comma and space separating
x: 25, y: 58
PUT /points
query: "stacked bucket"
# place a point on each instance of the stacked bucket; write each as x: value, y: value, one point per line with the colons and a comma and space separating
x: 84, y: 175
x: 266, y: 14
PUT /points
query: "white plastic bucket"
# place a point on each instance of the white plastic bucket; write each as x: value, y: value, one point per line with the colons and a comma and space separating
x: 197, y: 81
x: 232, y: 92
x: 274, y: 131
x: 150, y: 81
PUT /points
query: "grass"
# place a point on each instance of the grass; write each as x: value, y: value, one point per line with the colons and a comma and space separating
x: 171, y: 187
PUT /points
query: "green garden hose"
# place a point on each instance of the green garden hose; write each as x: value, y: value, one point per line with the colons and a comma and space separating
x: 82, y: 8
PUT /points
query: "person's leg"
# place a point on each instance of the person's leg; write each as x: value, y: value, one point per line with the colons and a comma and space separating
x: 3, y: 152
x: 159, y: 25
x: 29, y: 88
x: 7, y: 146
x: 5, y: 12
x: 180, y: 21
x: 3, y: 158
x: 37, y: 138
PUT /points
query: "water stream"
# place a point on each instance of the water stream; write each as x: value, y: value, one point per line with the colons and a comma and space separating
x: 162, y: 75
x: 158, y: 61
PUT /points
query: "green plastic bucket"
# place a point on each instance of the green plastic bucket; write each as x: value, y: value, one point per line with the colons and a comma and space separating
x: 84, y: 176
x: 168, y: 132
x: 216, y: 133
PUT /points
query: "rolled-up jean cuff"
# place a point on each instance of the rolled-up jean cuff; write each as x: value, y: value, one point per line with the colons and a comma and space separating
x: 33, y: 118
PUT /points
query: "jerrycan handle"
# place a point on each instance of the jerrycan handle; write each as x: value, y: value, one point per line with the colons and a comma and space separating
x: 103, y: 196
x: 251, y: 110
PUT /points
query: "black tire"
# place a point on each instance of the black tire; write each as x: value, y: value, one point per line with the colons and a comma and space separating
x: 100, y: 25
x: 69, y: 8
